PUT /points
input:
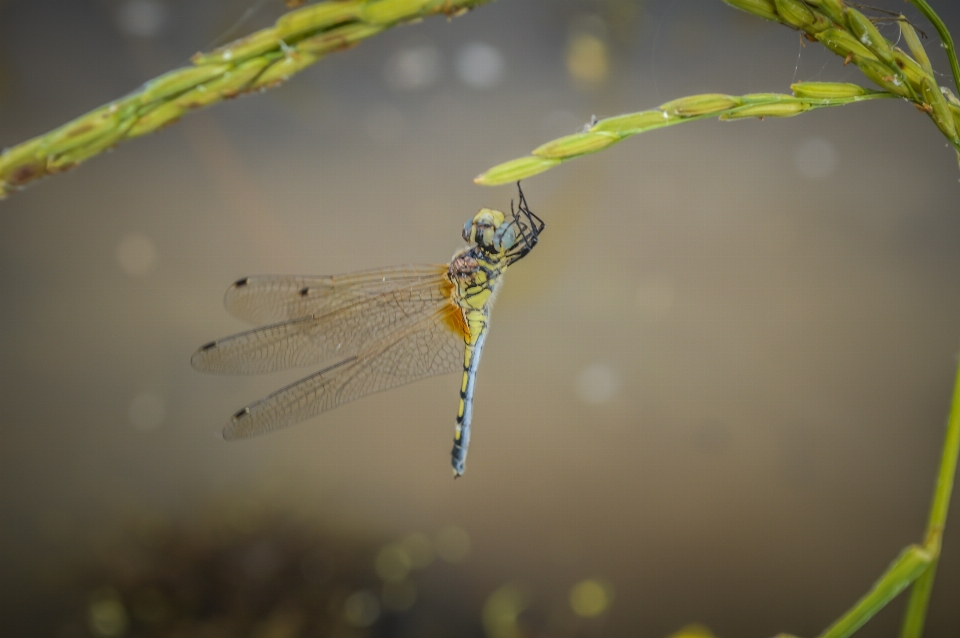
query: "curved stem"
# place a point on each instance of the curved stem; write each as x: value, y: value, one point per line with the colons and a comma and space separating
x: 920, y: 595
x: 945, y: 37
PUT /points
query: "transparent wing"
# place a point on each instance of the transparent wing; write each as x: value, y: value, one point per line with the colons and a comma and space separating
x: 369, y: 315
x: 275, y: 298
x: 429, y: 347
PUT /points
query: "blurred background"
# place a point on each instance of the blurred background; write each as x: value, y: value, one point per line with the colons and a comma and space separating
x: 716, y: 392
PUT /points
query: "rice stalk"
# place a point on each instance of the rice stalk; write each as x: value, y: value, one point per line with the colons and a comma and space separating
x: 256, y: 62
x: 609, y: 131
x: 844, y: 30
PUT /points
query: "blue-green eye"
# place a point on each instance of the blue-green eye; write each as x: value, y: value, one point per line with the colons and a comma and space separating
x: 505, y: 237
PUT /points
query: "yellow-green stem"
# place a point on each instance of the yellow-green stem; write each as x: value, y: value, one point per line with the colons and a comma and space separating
x: 945, y: 37
x: 920, y: 595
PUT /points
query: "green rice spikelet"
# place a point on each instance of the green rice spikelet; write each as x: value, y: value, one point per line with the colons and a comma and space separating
x: 842, y: 43
x: 940, y: 114
x: 867, y: 34
x: 699, y: 104
x: 180, y: 80
x: 338, y: 39
x: 316, y: 17
x: 883, y: 76
x: 384, y: 12
x: 632, y: 123
x: 911, y: 71
x: 239, y: 50
x: 913, y: 43
x: 166, y: 113
x: 827, y: 90
x: 774, y: 109
x: 281, y: 70
x: 797, y: 14
x: 576, y: 144
x: 833, y: 9
x: 515, y: 170
x: 83, y: 131
x: 763, y: 8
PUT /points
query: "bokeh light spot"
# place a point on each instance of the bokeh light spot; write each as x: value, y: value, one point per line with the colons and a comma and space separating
x: 587, y: 59
x: 502, y: 609
x: 597, y: 383
x: 393, y: 564
x: 146, y: 411
x: 136, y: 254
x: 106, y: 613
x: 141, y: 18
x: 361, y: 609
x: 815, y: 158
x: 414, y: 68
x: 692, y: 631
x: 452, y: 544
x: 419, y: 549
x: 480, y: 65
x: 590, y: 598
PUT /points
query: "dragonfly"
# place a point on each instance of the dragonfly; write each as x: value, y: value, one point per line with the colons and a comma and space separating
x: 371, y: 330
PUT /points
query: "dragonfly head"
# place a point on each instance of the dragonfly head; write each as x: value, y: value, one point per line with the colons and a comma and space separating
x: 494, y: 233
x: 489, y: 230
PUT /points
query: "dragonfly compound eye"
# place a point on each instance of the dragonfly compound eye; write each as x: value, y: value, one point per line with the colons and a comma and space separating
x: 485, y: 224
x: 505, y: 237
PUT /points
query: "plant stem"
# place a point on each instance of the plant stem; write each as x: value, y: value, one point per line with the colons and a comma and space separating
x: 920, y: 594
x: 611, y: 130
x: 945, y: 37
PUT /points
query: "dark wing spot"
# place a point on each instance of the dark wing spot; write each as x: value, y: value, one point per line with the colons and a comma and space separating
x: 240, y: 283
x: 304, y: 292
x: 242, y: 413
x: 208, y: 346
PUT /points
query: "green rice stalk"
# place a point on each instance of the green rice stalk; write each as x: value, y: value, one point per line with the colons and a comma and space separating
x: 945, y: 38
x: 915, y: 615
x: 611, y: 130
x: 261, y: 60
x: 849, y: 33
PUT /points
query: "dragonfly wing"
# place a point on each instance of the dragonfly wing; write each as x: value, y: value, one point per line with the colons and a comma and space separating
x: 433, y: 345
x: 275, y: 298
x: 368, y: 317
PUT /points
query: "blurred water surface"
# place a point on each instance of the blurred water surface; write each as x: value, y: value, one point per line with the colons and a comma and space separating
x: 716, y: 392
